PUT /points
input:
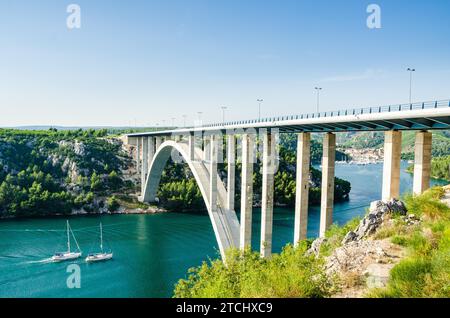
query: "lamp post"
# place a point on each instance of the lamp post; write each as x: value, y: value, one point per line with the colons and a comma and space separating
x: 173, y: 122
x: 318, y: 89
x: 410, y: 70
x: 199, y: 118
x: 223, y: 114
x: 259, y: 107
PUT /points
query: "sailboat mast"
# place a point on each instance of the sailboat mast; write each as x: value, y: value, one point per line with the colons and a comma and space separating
x: 68, y: 237
x: 101, y: 237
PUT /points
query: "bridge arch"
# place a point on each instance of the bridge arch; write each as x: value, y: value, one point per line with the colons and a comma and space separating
x: 225, y: 223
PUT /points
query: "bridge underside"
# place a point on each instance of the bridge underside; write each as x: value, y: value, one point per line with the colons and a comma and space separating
x: 372, y: 125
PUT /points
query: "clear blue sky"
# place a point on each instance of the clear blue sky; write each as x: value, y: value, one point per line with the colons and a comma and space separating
x: 148, y: 61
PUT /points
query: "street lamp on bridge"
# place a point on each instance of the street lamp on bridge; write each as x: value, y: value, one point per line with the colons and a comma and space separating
x: 199, y: 116
x: 223, y: 114
x: 318, y: 89
x: 410, y: 70
x: 259, y: 107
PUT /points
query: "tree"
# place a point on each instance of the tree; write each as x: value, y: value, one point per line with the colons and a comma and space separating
x: 113, y: 204
x: 96, y: 183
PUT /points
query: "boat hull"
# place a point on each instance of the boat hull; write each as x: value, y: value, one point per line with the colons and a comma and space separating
x: 65, y: 257
x: 99, y: 257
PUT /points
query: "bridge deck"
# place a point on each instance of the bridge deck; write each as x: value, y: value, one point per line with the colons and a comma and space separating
x: 416, y: 116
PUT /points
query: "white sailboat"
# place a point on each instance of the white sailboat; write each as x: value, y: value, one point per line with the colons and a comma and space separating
x: 102, y: 256
x: 68, y: 255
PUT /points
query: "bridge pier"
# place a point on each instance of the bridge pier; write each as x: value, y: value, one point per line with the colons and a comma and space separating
x: 151, y: 150
x: 138, y: 155
x: 213, y: 174
x: 246, y: 191
x: 158, y: 142
x: 206, y: 149
x: 327, y: 195
x: 144, y: 169
x: 268, y: 173
x: 422, y: 162
x: 391, y: 166
x: 231, y: 171
x: 191, y: 144
x: 302, y: 186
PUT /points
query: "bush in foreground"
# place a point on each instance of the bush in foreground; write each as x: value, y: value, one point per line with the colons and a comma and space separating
x: 247, y: 275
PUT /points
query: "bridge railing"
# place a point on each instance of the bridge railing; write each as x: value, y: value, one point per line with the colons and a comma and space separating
x: 346, y: 112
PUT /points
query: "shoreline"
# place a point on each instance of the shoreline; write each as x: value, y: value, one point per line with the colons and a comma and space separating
x: 121, y: 211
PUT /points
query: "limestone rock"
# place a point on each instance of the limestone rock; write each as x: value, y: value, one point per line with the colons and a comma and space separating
x: 372, y: 221
x: 377, y: 275
x: 315, y: 246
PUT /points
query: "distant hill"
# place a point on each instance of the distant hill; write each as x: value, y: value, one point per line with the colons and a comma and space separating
x: 364, y: 140
x: 47, y: 127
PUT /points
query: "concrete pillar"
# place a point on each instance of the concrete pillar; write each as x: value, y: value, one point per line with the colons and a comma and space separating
x: 327, y: 195
x: 246, y: 190
x: 191, y: 144
x: 158, y: 142
x: 151, y: 150
x: 206, y: 148
x: 231, y: 179
x: 391, y: 167
x: 422, y: 162
x: 138, y: 155
x: 268, y: 172
x: 213, y: 174
x: 144, y: 163
x: 302, y: 186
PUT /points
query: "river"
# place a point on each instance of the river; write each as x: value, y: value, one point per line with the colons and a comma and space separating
x: 151, y: 252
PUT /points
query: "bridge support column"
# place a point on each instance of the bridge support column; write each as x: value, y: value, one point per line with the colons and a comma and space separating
x: 391, y: 166
x: 246, y: 191
x: 268, y: 172
x: 422, y: 162
x: 144, y: 163
x: 151, y: 150
x: 302, y: 187
x: 213, y: 174
x: 158, y: 142
x: 191, y: 144
x: 231, y: 170
x: 138, y: 154
x: 206, y: 148
x: 327, y: 196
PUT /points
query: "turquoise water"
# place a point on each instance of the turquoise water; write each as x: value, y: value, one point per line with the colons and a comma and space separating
x: 151, y: 252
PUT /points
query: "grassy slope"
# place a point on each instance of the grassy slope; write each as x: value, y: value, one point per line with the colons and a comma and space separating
x: 425, y: 272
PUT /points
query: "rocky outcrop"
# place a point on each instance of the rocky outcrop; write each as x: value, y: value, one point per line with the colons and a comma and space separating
x: 369, y: 224
x: 360, y: 256
x: 315, y: 246
x: 373, y: 220
x: 77, y: 147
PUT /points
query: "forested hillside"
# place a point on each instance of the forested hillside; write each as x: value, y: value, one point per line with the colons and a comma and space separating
x: 364, y: 140
x: 440, y: 168
x: 59, y: 172
x: 51, y: 172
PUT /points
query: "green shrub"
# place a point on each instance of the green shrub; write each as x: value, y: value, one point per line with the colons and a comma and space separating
x: 113, y: 204
x: 288, y: 274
